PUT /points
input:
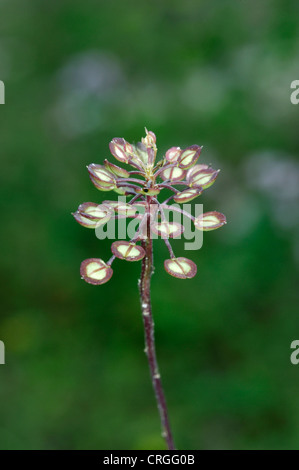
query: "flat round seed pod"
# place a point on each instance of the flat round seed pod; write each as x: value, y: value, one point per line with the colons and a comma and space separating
x: 173, y: 174
x: 140, y: 151
x: 150, y: 139
x: 121, y: 208
x: 127, y: 251
x: 101, y: 187
x: 95, y: 271
x: 173, y: 154
x: 187, y: 195
x: 167, y: 229
x: 195, y: 169
x: 203, y: 178
x: 210, y: 221
x: 189, y: 156
x: 116, y: 170
x: 101, y: 174
x: 124, y: 191
x: 120, y: 149
x: 182, y: 268
x: 103, y: 179
x: 97, y: 212
x: 84, y: 221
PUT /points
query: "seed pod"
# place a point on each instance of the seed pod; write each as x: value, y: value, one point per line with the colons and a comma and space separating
x: 98, y: 212
x: 121, y: 208
x: 95, y: 271
x: 101, y: 178
x: 167, y: 229
x: 173, y: 174
x: 116, y: 170
x: 127, y: 250
x: 183, y: 268
x: 203, y: 178
x: 189, y: 156
x: 124, y: 191
x: 121, y: 149
x: 150, y: 139
x: 173, y: 154
x: 84, y: 221
x: 187, y: 195
x: 210, y: 221
x: 195, y: 169
x: 92, y: 215
x: 140, y: 156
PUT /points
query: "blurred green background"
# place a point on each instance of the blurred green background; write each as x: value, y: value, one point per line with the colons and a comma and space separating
x: 214, y: 73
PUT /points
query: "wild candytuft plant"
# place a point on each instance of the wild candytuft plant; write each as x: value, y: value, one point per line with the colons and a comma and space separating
x: 177, y: 168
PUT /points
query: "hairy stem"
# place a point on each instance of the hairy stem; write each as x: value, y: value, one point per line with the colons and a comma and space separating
x: 150, y: 350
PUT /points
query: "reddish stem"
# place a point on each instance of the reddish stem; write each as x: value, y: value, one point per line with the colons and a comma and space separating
x: 150, y: 350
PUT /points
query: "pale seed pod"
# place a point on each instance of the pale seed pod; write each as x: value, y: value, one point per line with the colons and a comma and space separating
x: 92, y: 215
x: 84, y: 221
x: 121, y: 208
x: 95, y: 271
x: 150, y: 139
x: 187, y: 195
x: 116, y: 170
x: 121, y: 149
x: 189, y: 156
x: 127, y: 251
x: 210, y: 221
x: 203, y: 178
x: 167, y: 229
x: 173, y: 174
x: 173, y: 154
x: 101, y: 177
x: 182, y: 268
x: 124, y: 190
x: 195, y: 169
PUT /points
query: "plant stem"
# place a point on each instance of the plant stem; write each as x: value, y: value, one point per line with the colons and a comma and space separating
x: 150, y: 350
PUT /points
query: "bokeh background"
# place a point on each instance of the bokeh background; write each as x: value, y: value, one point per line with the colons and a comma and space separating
x: 214, y: 73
